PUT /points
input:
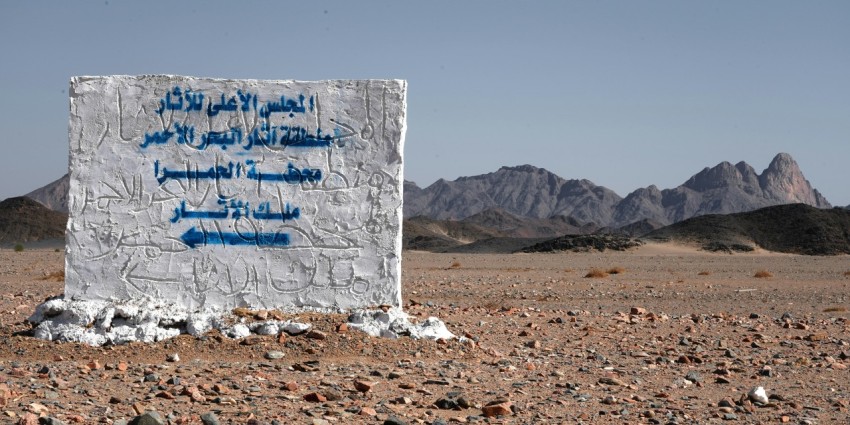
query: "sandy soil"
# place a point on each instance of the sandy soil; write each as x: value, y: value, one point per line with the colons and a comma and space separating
x: 677, y: 336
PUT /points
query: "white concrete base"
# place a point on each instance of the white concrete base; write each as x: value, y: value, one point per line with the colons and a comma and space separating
x: 99, y: 323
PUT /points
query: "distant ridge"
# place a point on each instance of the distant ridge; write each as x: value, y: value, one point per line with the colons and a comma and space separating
x: 524, y: 190
x: 528, y: 191
x: 792, y: 228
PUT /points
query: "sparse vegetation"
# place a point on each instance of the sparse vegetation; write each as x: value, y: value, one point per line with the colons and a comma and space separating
x: 847, y: 273
x: 496, y: 304
x: 455, y: 265
x: 518, y: 269
x: 19, y: 247
x: 57, y: 276
x: 57, y: 250
x: 596, y: 273
x: 704, y: 273
x: 568, y: 270
x: 835, y: 310
x: 762, y: 274
x: 616, y: 270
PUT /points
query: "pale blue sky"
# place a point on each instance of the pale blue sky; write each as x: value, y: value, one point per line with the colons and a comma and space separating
x: 623, y: 93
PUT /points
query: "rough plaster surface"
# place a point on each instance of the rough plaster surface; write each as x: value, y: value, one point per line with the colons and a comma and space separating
x: 213, y: 193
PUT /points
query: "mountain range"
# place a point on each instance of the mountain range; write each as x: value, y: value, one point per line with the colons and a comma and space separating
x: 515, y: 207
x: 529, y: 191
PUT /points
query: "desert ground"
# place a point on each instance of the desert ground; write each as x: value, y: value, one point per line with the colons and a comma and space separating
x: 665, y: 334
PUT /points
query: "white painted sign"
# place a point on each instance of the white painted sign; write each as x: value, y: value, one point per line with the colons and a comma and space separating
x: 226, y: 193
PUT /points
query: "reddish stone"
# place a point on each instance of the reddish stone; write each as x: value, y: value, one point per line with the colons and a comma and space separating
x: 314, y: 334
x: 28, y: 419
x: 500, y: 409
x: 315, y: 398
x: 363, y: 386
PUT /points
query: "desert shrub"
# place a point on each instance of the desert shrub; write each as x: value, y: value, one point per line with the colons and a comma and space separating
x: 704, y: 273
x: 455, y: 265
x: 763, y: 274
x: 19, y: 248
x: 596, y: 273
x: 616, y: 270
x: 568, y: 270
x: 57, y: 276
x: 847, y: 274
x: 835, y: 310
x: 57, y: 250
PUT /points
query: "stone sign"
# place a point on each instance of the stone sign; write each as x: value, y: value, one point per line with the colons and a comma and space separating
x: 228, y: 193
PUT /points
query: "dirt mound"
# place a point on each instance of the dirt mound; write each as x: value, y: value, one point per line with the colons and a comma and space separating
x: 793, y: 228
x: 25, y: 220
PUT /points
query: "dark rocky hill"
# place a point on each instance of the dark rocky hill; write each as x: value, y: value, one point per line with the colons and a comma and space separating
x: 584, y: 243
x: 792, y: 228
x: 24, y: 220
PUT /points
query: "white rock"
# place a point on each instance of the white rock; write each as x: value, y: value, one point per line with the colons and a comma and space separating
x: 266, y: 328
x: 758, y: 395
x: 295, y: 328
x: 238, y: 330
x: 395, y: 322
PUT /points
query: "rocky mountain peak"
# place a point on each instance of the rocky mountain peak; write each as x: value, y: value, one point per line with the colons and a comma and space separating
x: 525, y: 168
x: 54, y: 195
x: 783, y: 181
x: 783, y: 161
x: 723, y: 174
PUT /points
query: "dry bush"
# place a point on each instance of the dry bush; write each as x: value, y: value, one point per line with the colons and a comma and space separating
x: 596, y: 273
x: 496, y: 304
x: 703, y: 273
x: 55, y: 276
x: 568, y: 270
x: 616, y: 270
x: 835, y: 310
x: 455, y: 265
x: 847, y: 274
x: 763, y: 274
x: 518, y: 269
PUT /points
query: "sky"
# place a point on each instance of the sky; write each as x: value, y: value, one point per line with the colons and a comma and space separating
x: 622, y: 93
